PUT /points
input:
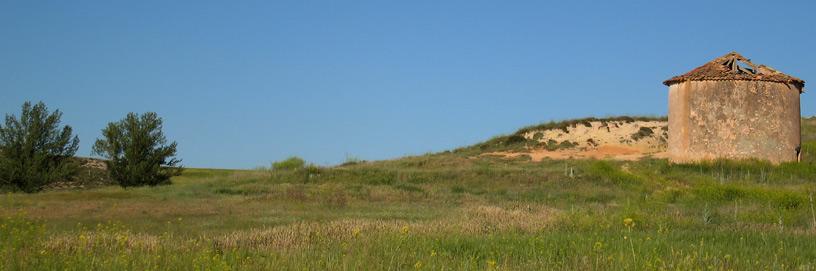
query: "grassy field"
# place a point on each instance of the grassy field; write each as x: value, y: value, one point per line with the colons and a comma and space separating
x: 445, y: 211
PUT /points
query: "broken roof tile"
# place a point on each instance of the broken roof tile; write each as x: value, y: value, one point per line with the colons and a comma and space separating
x: 733, y: 66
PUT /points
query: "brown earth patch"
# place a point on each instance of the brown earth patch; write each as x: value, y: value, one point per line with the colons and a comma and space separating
x: 595, y: 139
x: 611, y: 152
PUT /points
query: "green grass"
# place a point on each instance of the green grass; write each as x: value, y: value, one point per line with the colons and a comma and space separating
x: 809, y: 129
x: 439, y: 211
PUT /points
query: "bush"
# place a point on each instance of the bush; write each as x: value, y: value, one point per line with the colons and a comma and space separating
x: 34, y: 150
x: 290, y: 163
x: 643, y: 132
x: 137, y: 151
x: 352, y: 160
x: 514, y: 139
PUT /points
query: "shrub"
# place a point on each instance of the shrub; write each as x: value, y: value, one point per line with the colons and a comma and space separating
x: 514, y: 139
x: 352, y: 160
x: 137, y: 151
x: 34, y: 150
x: 643, y: 132
x: 290, y: 163
x: 566, y: 144
x: 563, y: 125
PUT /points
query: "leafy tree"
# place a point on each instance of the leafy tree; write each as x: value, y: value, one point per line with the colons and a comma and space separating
x: 34, y: 150
x: 137, y: 151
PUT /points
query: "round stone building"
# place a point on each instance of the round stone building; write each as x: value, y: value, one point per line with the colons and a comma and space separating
x: 731, y: 108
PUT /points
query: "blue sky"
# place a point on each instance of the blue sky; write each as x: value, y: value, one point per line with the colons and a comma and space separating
x: 243, y: 84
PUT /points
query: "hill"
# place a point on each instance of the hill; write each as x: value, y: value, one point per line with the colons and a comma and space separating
x: 451, y: 210
x: 620, y: 138
x: 616, y: 138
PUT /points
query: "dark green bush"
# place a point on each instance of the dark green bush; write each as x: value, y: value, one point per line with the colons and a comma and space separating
x: 34, y: 150
x: 514, y: 139
x: 643, y: 132
x: 566, y: 144
x: 137, y: 151
x: 290, y: 163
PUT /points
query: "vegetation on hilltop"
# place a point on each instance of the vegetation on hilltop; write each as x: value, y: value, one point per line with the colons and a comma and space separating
x: 35, y: 150
x: 430, y: 211
x: 448, y: 210
x: 137, y: 152
x: 585, y: 121
x: 37, y: 153
x: 516, y: 141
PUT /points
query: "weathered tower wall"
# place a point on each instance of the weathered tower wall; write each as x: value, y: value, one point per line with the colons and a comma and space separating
x: 734, y: 119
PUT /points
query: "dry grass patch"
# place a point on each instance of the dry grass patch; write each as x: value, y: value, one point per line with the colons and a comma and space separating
x: 469, y: 220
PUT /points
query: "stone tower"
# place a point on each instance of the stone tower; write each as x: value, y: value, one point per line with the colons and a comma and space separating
x: 732, y: 108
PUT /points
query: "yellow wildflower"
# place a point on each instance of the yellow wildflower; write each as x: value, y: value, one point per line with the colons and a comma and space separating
x: 491, y: 263
x: 628, y: 222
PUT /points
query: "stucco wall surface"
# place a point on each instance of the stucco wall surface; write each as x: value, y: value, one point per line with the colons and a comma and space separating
x: 735, y: 119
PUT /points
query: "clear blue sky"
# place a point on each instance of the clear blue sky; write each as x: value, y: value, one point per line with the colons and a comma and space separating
x: 240, y: 85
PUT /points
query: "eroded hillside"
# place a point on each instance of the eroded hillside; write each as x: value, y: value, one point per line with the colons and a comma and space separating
x: 620, y: 138
x: 617, y: 138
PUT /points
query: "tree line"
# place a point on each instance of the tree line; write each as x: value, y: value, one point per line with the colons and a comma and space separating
x: 35, y: 150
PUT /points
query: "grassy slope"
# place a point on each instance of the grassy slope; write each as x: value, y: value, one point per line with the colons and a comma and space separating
x: 428, y: 212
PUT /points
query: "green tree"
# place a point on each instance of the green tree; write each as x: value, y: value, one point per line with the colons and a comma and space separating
x: 34, y: 150
x: 137, y: 151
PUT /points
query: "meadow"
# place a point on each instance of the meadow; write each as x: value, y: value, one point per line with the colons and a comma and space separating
x: 442, y: 211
